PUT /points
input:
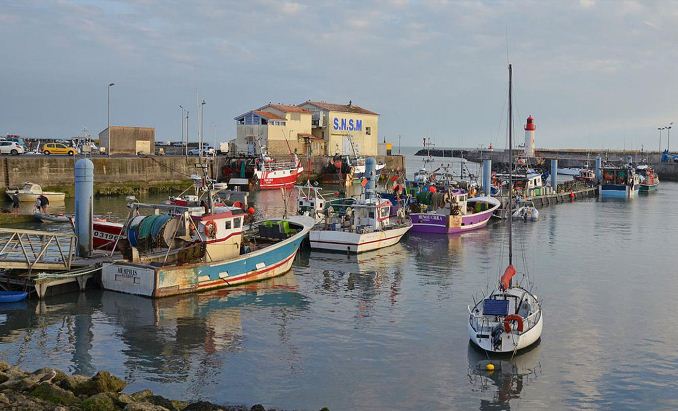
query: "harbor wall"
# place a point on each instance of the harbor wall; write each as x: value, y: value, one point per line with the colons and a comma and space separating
x: 132, y: 174
x: 112, y: 176
x: 667, y: 171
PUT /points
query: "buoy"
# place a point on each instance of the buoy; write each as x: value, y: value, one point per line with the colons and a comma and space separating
x: 237, y: 204
x: 250, y: 211
x: 432, y: 189
x: 571, y: 195
x: 489, y: 366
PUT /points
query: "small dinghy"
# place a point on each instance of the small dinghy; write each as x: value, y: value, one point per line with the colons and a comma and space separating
x: 12, y: 296
x: 51, y: 218
x: 526, y: 211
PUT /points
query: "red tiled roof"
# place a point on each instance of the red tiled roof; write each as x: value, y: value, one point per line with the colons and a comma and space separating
x: 285, y: 108
x: 268, y: 115
x: 346, y: 108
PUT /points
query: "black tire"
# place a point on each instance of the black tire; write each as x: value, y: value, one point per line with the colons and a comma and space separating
x: 14, y: 152
x: 46, y: 152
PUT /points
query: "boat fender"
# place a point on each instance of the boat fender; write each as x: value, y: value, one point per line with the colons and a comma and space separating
x: 210, y: 229
x: 513, y: 317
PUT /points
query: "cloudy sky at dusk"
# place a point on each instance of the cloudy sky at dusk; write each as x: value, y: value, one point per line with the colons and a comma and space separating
x: 593, y: 73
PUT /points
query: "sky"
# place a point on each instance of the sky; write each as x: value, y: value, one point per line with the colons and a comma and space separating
x: 594, y: 74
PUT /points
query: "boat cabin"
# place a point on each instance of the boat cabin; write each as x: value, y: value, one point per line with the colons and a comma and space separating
x: 371, y: 215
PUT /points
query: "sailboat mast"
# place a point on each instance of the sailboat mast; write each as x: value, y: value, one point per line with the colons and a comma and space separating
x: 510, y: 147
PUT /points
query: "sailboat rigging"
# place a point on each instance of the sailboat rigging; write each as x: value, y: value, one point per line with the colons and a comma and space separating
x: 510, y: 317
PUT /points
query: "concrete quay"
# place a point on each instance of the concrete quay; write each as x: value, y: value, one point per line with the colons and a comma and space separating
x: 128, y: 175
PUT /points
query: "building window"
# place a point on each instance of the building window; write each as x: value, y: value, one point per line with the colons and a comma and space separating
x: 368, y: 131
x: 236, y: 222
x: 295, y: 116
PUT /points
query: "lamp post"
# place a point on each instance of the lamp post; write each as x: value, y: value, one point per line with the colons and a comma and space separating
x: 660, y: 140
x: 202, y: 115
x: 182, y: 122
x: 668, y: 137
x: 108, y: 128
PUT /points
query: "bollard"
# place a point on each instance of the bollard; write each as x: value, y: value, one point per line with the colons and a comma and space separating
x: 84, y: 193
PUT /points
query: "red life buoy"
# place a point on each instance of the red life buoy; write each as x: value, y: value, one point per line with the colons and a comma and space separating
x: 513, y: 317
x: 210, y: 229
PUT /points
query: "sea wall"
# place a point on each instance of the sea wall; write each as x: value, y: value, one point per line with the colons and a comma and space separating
x: 116, y: 175
x: 667, y: 171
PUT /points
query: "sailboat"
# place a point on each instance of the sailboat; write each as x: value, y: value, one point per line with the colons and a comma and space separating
x: 510, y: 317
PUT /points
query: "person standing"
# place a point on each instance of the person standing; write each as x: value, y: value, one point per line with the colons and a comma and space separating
x: 15, y: 202
x: 44, y: 202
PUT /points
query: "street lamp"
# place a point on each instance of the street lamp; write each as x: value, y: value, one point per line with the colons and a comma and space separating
x: 182, y: 122
x: 202, y: 114
x: 186, y: 144
x: 108, y: 129
x: 660, y: 139
x: 668, y: 137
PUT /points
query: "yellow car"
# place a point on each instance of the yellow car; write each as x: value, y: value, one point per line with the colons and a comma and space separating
x: 57, y: 148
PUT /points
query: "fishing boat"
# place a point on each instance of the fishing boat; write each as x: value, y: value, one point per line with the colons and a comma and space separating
x: 509, y: 318
x: 454, y: 213
x: 586, y: 175
x: 310, y: 202
x: 619, y: 182
x: 273, y: 174
x: 649, y: 180
x: 29, y: 192
x: 356, y: 225
x: 171, y: 249
x: 105, y: 233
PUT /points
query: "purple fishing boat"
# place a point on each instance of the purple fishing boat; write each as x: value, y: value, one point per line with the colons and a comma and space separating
x: 458, y: 214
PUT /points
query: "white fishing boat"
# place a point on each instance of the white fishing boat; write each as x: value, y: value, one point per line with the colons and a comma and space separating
x: 359, y: 225
x: 310, y: 202
x: 29, y: 192
x: 509, y: 318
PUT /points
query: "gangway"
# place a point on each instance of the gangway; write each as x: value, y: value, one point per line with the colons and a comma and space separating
x: 36, y: 250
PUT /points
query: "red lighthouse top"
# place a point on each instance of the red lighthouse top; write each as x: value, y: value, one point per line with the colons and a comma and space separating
x: 529, y: 126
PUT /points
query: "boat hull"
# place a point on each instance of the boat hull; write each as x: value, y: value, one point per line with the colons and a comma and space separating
x: 271, y: 180
x: 444, y: 224
x: 25, y: 197
x: 646, y: 188
x: 525, y: 340
x: 156, y: 282
x: 104, y: 234
x: 621, y: 191
x: 355, y: 243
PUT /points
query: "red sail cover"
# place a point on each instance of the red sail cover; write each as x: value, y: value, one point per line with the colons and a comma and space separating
x: 506, y: 278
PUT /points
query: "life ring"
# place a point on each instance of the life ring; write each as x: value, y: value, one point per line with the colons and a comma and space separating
x: 210, y: 229
x: 513, y: 317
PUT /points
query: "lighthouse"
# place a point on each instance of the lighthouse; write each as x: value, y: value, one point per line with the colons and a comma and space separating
x: 529, y: 137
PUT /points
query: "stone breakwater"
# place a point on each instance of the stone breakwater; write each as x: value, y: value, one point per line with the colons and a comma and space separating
x: 53, y: 390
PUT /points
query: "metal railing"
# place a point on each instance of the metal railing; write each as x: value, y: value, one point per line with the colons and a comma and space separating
x: 33, y: 249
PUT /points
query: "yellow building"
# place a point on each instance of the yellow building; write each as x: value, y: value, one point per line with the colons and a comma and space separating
x: 280, y: 128
x: 345, y: 128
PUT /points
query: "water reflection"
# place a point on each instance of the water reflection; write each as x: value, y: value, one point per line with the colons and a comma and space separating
x: 508, y: 379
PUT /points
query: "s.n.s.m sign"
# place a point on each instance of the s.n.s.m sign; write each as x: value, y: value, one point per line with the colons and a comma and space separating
x: 347, y: 124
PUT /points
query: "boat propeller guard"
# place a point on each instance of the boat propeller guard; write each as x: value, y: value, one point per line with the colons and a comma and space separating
x: 513, y: 317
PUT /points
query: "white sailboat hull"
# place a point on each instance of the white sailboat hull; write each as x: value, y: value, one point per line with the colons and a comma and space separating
x: 510, y: 342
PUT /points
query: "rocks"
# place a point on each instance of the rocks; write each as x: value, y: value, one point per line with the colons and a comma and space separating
x: 103, y: 381
x: 99, y: 402
x: 48, y: 389
x: 54, y: 394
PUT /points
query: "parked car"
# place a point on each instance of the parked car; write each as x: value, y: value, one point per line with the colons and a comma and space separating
x: 177, y: 144
x: 17, y: 140
x: 58, y: 148
x: 206, y: 150
x: 11, y: 147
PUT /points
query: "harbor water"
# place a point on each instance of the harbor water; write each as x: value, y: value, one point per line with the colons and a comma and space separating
x: 388, y: 329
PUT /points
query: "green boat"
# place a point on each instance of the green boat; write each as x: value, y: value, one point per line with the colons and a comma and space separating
x: 649, y: 179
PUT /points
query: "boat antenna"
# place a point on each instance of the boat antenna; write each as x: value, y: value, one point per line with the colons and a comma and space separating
x: 510, y: 148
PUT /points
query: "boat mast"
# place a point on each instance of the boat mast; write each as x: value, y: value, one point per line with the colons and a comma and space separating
x: 510, y: 147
